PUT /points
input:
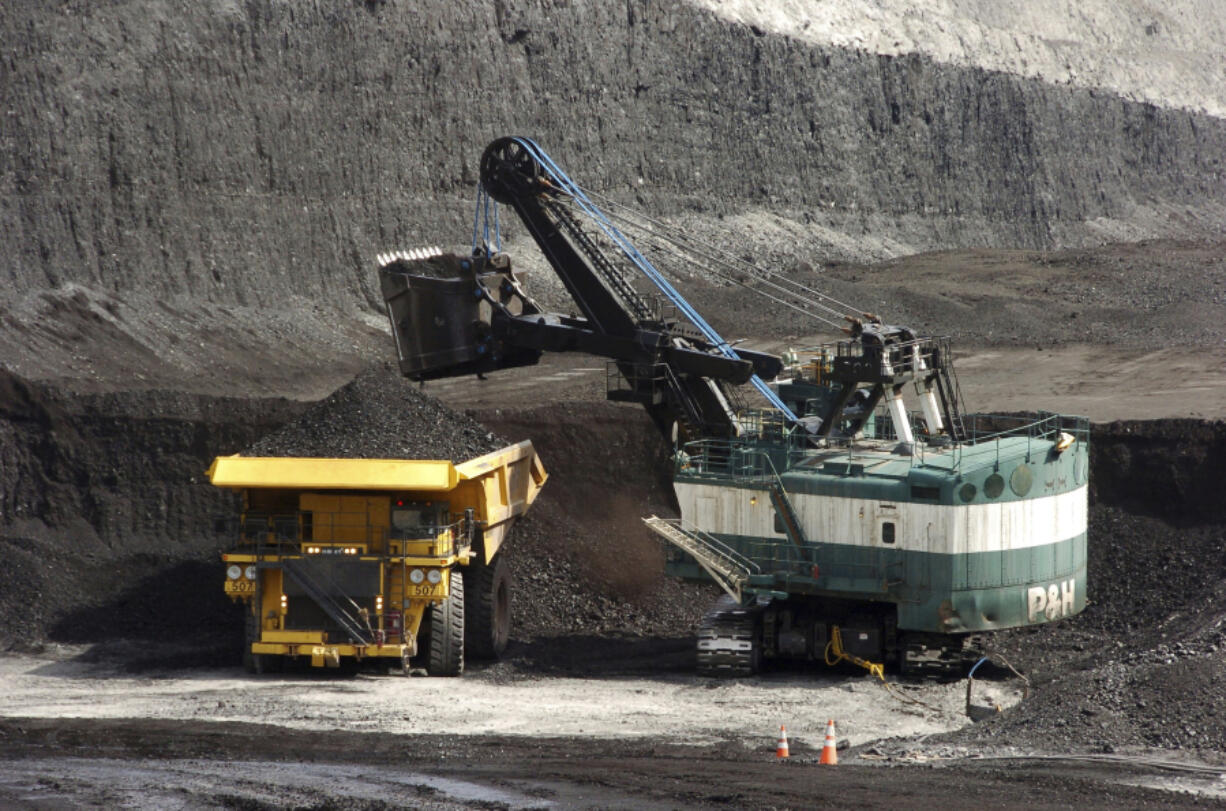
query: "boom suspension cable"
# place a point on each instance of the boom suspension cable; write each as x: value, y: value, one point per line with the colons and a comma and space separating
x: 562, y: 181
x: 724, y: 257
x: 790, y: 299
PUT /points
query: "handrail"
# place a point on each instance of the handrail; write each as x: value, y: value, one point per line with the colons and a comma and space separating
x: 263, y: 531
x: 325, y: 596
x: 657, y: 374
x: 749, y: 565
x: 728, y: 568
x: 727, y: 458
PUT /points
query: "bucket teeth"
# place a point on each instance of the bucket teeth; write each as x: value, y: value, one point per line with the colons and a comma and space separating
x: 411, y: 255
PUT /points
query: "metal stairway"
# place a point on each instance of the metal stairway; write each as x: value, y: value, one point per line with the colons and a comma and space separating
x: 728, y: 568
x: 951, y: 394
x: 787, y: 514
x: 299, y: 569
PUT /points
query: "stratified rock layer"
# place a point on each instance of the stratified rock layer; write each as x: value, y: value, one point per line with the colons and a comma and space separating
x: 247, y: 154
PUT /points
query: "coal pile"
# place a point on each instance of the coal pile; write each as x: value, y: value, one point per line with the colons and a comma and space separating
x: 1145, y: 664
x: 583, y: 561
x: 562, y: 588
x: 106, y: 516
x: 380, y: 415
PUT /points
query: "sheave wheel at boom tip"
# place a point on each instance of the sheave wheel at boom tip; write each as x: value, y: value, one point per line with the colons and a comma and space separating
x: 509, y: 171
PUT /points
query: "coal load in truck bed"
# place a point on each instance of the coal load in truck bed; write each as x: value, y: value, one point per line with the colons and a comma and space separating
x: 380, y: 415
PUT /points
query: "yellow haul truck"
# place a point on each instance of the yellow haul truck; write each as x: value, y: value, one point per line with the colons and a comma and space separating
x: 356, y: 559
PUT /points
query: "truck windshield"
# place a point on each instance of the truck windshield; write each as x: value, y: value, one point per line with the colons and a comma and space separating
x: 415, y: 521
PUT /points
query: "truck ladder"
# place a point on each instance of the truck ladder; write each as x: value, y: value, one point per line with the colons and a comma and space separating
x: 728, y: 568
x: 299, y: 570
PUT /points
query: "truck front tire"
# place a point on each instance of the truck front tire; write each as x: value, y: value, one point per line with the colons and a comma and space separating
x: 446, y: 653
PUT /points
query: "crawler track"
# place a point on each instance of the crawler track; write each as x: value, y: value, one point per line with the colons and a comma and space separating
x: 730, y: 639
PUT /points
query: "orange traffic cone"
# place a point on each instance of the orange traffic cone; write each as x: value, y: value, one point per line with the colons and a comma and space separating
x: 781, y: 751
x: 830, y: 753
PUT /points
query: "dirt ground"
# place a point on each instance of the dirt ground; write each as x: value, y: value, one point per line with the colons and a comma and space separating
x: 1104, y: 383
x: 157, y: 764
x: 628, y: 726
x: 610, y: 689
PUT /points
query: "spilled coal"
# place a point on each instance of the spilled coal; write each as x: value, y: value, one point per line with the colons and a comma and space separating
x: 107, y: 536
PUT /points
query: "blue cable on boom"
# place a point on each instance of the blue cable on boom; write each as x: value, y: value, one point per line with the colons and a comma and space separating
x: 632, y: 253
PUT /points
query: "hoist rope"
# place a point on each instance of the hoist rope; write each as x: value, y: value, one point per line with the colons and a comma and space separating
x: 481, y: 224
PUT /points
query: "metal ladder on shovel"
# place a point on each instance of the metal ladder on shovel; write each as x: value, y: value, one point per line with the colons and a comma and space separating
x: 727, y: 567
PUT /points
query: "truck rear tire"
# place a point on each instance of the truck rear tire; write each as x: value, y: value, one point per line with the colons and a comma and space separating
x: 446, y: 655
x: 487, y: 609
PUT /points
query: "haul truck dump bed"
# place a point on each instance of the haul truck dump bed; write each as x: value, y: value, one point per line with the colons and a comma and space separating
x: 388, y: 560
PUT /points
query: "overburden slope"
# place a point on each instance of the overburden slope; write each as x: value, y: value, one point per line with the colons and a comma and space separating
x: 174, y: 171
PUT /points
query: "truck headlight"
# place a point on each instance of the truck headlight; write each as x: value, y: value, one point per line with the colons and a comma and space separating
x: 250, y: 572
x: 234, y: 572
x: 417, y: 575
x: 434, y: 576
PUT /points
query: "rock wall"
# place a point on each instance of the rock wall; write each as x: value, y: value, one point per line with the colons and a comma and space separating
x: 100, y: 493
x: 247, y: 153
